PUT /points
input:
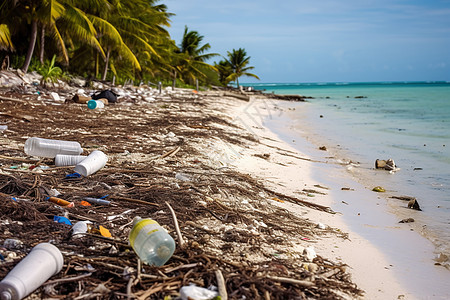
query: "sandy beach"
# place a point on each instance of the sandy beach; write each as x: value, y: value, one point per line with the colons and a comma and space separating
x: 399, y: 260
x: 248, y: 203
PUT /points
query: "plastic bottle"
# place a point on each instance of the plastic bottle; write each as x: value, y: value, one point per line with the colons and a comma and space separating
x: 60, y: 202
x: 151, y: 242
x: 97, y: 201
x: 50, y: 148
x: 68, y: 160
x: 44, y: 261
x: 92, y: 163
x: 93, y: 104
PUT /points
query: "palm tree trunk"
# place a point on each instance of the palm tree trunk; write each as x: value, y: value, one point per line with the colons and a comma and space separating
x: 96, y: 66
x: 30, y: 46
x: 174, y: 80
x: 41, y: 54
x: 237, y: 81
x: 105, y: 70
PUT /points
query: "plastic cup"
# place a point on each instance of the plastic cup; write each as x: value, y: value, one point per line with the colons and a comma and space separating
x: 92, y: 163
x: 68, y: 160
x: 44, y: 261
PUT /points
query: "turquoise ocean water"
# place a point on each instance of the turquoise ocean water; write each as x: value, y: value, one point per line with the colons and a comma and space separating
x: 406, y: 121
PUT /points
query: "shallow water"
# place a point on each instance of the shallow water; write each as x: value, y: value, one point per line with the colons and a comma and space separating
x: 409, y: 123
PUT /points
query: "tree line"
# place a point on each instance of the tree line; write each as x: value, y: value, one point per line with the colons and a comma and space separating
x: 103, y: 39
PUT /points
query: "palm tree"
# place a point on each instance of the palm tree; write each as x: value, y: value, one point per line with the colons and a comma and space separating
x: 192, y: 57
x: 239, y: 61
x: 62, y: 19
x: 6, y: 8
x: 5, y: 38
x: 224, y: 69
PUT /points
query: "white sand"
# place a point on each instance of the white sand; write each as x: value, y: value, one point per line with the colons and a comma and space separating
x: 381, y: 277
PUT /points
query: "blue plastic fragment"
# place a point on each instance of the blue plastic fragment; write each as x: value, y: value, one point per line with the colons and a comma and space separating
x: 62, y: 220
x: 73, y: 175
x: 2, y: 258
x: 103, y: 197
x: 14, y: 198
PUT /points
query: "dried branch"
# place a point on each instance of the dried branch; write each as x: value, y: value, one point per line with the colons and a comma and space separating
x: 177, y: 227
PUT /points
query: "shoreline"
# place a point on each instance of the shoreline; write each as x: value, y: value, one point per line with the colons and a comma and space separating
x: 244, y: 195
x: 372, y: 221
x: 381, y: 284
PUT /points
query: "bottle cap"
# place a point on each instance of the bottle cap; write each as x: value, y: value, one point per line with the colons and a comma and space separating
x: 92, y: 104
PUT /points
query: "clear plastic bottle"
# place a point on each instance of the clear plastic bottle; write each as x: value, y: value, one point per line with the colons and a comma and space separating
x: 151, y: 242
x: 50, y: 148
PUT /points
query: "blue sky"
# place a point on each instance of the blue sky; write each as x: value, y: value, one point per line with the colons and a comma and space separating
x: 326, y: 40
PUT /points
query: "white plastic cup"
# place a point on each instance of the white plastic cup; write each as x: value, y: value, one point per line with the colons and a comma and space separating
x: 68, y: 160
x: 44, y: 261
x: 92, y: 163
x: 93, y: 104
x: 50, y: 148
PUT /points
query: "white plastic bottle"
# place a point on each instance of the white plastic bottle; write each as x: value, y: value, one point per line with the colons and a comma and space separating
x: 50, y: 148
x: 68, y: 160
x: 44, y: 261
x: 151, y: 242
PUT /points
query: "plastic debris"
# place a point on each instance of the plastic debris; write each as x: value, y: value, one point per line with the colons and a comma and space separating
x: 321, y: 226
x: 11, y: 244
x: 62, y: 220
x: 85, y: 203
x: 80, y: 227
x: 44, y: 261
x: 310, y: 253
x: 73, y: 175
x: 197, y: 293
x: 100, y: 201
x: 60, y: 202
x: 388, y: 165
x: 378, y: 189
x: 92, y: 163
x: 151, y: 242
x: 103, y: 231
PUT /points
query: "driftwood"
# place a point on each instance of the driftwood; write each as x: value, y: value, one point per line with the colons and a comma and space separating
x: 236, y: 95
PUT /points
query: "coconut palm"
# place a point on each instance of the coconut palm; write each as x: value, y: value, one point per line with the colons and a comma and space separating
x: 224, y: 70
x: 192, y: 57
x: 6, y: 8
x: 58, y: 17
x: 239, y: 61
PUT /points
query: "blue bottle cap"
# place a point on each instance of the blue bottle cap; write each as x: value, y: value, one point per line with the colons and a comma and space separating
x: 92, y: 104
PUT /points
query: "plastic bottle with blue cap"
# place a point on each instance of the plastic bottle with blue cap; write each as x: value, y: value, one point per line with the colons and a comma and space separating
x: 95, y: 104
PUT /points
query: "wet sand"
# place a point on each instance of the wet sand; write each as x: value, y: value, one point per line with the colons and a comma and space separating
x: 400, y: 260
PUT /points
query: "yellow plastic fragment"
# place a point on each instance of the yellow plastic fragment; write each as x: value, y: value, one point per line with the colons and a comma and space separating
x: 104, y: 232
x: 276, y: 199
x: 378, y: 189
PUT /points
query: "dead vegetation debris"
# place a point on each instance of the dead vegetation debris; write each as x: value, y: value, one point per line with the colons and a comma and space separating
x: 225, y: 216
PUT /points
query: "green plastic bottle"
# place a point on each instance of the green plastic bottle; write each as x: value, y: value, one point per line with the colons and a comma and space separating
x: 151, y: 242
